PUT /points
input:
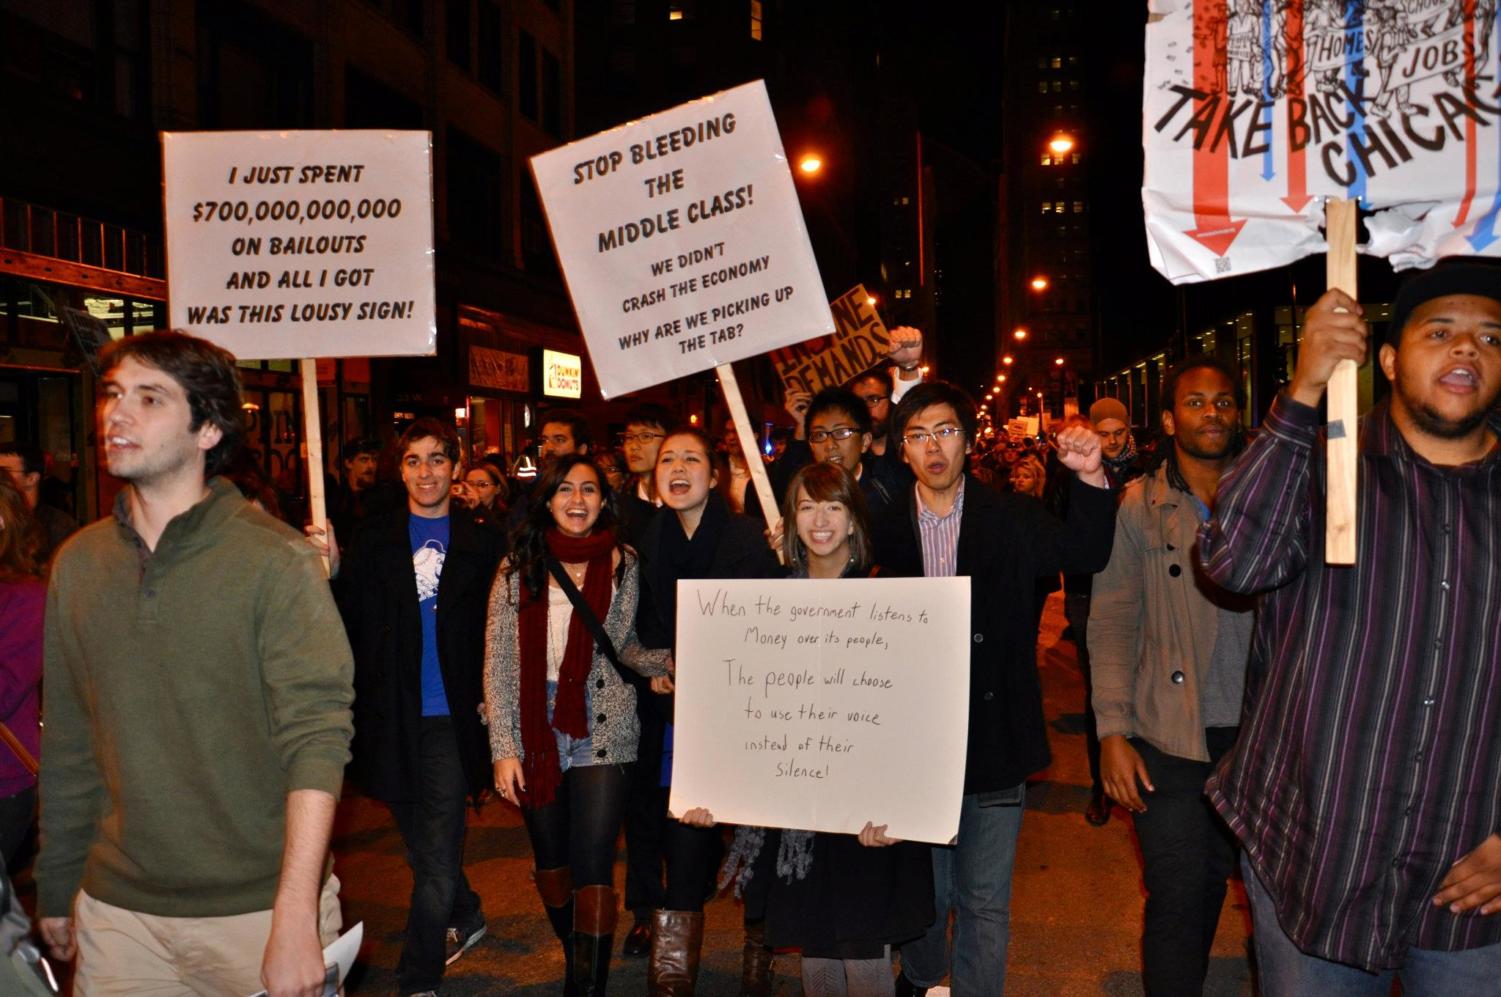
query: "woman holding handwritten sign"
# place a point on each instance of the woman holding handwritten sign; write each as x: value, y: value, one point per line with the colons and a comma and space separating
x: 695, y: 536
x: 563, y: 725
x: 843, y: 899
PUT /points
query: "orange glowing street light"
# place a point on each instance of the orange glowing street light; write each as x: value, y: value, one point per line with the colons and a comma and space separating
x: 1008, y: 359
x: 1039, y: 283
x: 871, y: 299
x: 1061, y: 144
x: 1058, y: 361
x: 1020, y: 333
x: 1001, y: 378
x: 810, y: 163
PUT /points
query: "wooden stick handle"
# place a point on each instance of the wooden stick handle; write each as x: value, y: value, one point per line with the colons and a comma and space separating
x: 748, y: 443
x: 1340, y: 515
x: 312, y: 431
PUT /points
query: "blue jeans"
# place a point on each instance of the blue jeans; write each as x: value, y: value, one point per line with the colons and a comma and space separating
x: 571, y: 750
x: 1287, y: 971
x: 973, y: 878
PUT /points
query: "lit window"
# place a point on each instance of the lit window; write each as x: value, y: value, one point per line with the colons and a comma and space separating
x: 1078, y: 207
x: 756, y: 19
x: 1047, y: 207
x: 1057, y: 86
x: 1076, y: 159
x: 1042, y: 86
x: 1057, y: 62
x: 674, y: 13
x: 1047, y: 160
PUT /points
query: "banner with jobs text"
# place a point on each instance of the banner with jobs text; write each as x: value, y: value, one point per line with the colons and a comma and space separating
x: 682, y: 242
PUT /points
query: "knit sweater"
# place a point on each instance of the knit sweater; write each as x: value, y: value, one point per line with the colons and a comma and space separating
x: 613, y: 727
x: 189, y: 690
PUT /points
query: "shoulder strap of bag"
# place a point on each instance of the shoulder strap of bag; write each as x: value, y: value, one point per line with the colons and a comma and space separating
x: 596, y: 628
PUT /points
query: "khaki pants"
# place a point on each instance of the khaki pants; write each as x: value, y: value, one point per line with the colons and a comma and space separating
x: 122, y: 952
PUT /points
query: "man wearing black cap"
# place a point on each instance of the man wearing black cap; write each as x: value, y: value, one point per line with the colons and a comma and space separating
x: 1366, y: 784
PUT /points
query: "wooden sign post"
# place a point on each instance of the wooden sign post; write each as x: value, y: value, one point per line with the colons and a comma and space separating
x: 749, y: 445
x: 312, y: 431
x: 1340, y: 517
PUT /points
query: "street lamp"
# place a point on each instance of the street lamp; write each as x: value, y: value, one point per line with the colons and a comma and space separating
x: 871, y: 299
x: 1001, y: 378
x: 1008, y: 360
x: 1020, y: 333
x: 1058, y: 361
x: 1039, y: 283
x: 1061, y: 144
x: 810, y: 163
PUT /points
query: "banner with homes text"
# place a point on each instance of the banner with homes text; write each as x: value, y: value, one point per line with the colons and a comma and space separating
x: 682, y: 241
x: 1256, y: 110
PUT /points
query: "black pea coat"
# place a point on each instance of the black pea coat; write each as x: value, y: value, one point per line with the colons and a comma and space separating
x: 1005, y: 544
x: 377, y: 595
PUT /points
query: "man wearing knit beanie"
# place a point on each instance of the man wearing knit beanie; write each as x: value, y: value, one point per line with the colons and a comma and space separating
x: 1113, y: 424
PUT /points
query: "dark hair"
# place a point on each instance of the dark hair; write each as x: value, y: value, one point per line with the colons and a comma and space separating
x: 206, y: 373
x: 529, y: 542
x: 353, y: 448
x: 1204, y: 361
x: 33, y: 461
x: 21, y: 536
x: 931, y: 393
x: 429, y: 427
x: 841, y: 400
x: 717, y: 463
x: 651, y: 414
x: 577, y: 425
x: 827, y: 483
x: 693, y: 431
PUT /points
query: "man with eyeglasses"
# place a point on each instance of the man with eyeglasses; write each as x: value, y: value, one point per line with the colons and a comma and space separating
x: 564, y: 431
x: 1002, y: 543
x: 839, y: 432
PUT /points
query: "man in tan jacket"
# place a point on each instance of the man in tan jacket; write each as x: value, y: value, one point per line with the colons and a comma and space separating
x: 1168, y: 651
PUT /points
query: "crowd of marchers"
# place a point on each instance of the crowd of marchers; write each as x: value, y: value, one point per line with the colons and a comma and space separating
x: 459, y: 632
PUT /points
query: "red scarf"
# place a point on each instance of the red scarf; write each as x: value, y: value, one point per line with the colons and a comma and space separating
x: 539, y: 746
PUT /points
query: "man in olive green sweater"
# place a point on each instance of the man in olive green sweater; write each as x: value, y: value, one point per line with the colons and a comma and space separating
x: 198, y: 709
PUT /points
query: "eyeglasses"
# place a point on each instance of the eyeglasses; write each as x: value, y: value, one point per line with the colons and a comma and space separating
x: 874, y: 400
x: 642, y: 438
x: 842, y: 433
x: 941, y: 435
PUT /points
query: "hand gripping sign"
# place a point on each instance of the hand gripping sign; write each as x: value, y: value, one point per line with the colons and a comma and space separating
x: 1258, y: 111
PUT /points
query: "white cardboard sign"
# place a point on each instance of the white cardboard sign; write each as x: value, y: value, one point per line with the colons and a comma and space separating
x: 302, y: 243
x: 821, y: 705
x: 682, y: 242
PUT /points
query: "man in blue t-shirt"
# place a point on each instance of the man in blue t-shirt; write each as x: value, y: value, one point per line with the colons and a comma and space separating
x: 413, y: 592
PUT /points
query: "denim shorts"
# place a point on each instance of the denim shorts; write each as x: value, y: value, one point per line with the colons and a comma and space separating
x: 571, y: 750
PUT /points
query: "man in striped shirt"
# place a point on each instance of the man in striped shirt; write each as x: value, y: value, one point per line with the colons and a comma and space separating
x: 1366, y: 785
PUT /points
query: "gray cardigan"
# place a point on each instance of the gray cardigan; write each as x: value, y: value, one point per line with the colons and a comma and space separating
x: 613, y: 727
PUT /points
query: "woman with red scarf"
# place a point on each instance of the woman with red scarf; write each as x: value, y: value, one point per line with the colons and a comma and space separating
x: 563, y: 725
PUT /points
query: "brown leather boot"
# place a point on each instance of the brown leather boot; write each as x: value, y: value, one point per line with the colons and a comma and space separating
x: 593, y: 936
x: 677, y: 937
x: 555, y: 886
x: 756, y: 969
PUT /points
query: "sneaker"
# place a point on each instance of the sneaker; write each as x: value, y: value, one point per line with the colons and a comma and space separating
x: 458, y: 941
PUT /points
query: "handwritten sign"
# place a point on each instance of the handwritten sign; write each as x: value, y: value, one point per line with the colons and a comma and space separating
x: 859, y: 342
x: 1258, y: 109
x: 302, y: 243
x: 681, y: 240
x: 823, y: 704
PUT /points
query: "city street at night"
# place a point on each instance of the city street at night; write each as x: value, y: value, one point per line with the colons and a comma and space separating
x: 1075, y: 909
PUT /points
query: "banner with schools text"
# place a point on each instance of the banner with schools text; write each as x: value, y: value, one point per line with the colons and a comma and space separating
x: 1257, y: 110
x: 301, y: 243
x: 821, y: 705
x: 681, y: 241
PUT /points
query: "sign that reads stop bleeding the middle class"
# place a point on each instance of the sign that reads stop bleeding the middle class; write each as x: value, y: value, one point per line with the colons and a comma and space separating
x: 682, y: 241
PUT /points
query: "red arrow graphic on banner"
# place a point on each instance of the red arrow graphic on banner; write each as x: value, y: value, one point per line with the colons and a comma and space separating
x: 1297, y: 164
x: 1214, y: 229
x: 1464, y: 205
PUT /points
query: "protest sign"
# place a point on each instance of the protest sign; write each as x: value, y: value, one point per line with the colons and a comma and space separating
x: 859, y: 342
x: 301, y: 243
x: 1257, y: 109
x: 821, y: 705
x: 682, y: 242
